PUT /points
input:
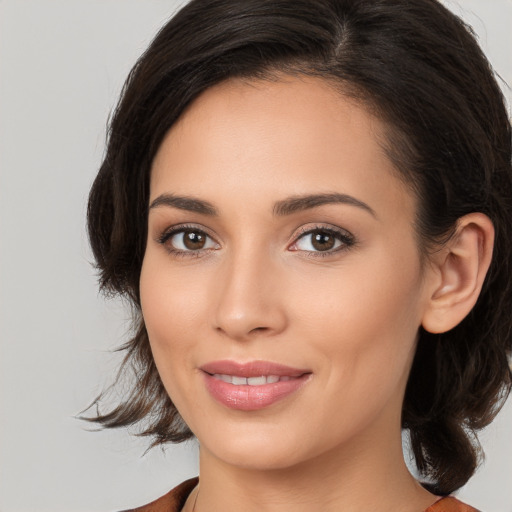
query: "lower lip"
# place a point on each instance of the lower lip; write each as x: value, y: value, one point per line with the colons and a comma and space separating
x: 252, y: 398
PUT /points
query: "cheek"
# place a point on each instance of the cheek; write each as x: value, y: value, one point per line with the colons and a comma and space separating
x: 381, y: 293
x: 365, y: 319
x: 171, y: 300
x: 171, y: 308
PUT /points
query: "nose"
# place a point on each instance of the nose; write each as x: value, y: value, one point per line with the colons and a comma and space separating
x: 250, y: 297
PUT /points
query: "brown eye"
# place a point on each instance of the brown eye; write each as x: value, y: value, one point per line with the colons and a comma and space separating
x: 187, y: 240
x: 193, y: 240
x: 322, y: 241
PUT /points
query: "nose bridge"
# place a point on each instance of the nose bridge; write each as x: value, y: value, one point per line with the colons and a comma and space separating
x: 248, y: 297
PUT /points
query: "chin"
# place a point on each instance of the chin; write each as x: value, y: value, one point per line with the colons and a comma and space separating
x: 258, y: 458
x: 260, y: 447
x: 253, y: 448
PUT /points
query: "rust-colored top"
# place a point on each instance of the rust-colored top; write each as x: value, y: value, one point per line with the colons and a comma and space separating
x: 450, y: 504
x: 174, y: 501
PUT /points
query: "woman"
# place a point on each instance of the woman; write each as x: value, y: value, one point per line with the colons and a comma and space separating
x: 309, y: 205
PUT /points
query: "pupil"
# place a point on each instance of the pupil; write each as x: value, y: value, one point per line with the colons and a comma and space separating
x: 323, y: 241
x: 193, y: 240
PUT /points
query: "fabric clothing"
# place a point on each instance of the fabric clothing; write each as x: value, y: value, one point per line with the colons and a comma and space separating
x: 175, y: 500
x: 450, y: 504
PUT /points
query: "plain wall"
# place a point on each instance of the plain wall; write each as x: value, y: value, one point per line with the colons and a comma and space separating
x: 62, y: 64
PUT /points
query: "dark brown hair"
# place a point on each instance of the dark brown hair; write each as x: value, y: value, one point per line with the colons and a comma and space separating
x: 419, y: 68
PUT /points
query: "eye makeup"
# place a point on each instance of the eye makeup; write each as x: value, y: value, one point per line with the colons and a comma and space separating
x: 322, y: 235
x: 189, y: 240
x: 190, y: 234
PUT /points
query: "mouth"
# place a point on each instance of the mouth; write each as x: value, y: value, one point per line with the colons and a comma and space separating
x: 254, y: 385
x: 251, y: 381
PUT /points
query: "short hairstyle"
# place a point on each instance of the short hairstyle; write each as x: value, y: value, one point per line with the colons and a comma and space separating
x: 419, y: 69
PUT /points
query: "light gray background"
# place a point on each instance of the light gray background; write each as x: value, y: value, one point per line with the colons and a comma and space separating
x: 62, y: 64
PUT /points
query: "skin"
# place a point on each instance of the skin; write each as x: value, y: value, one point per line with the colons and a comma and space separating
x: 259, y: 290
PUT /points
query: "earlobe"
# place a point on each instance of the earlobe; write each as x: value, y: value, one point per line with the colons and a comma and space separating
x: 459, y: 270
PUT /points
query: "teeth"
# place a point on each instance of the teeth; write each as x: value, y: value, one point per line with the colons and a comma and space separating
x: 257, y: 381
x: 250, y: 381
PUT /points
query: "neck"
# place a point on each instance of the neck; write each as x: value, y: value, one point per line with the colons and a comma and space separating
x: 352, y: 479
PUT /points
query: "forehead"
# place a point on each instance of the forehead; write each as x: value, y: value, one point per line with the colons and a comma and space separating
x: 268, y: 139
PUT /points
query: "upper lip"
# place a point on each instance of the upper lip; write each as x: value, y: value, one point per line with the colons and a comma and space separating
x: 251, y: 369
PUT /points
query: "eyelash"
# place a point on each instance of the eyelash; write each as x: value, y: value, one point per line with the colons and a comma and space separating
x: 169, y: 233
x: 347, y: 240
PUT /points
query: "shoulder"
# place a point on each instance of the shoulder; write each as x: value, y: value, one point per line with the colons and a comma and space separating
x: 173, y: 501
x: 450, y: 504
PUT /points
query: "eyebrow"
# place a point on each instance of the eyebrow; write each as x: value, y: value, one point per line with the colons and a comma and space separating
x: 281, y: 208
x: 299, y: 203
x: 191, y: 204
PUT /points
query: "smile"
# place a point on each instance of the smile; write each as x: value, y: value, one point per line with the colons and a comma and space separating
x: 251, y: 381
x: 252, y: 386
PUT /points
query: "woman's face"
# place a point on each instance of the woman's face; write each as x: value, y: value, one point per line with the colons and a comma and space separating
x: 281, y: 286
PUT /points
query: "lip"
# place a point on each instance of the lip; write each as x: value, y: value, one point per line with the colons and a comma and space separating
x: 247, y: 397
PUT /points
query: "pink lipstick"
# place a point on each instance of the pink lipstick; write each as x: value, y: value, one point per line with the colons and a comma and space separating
x: 252, y: 386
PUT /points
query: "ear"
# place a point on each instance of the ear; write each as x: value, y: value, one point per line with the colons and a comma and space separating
x: 457, y: 273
